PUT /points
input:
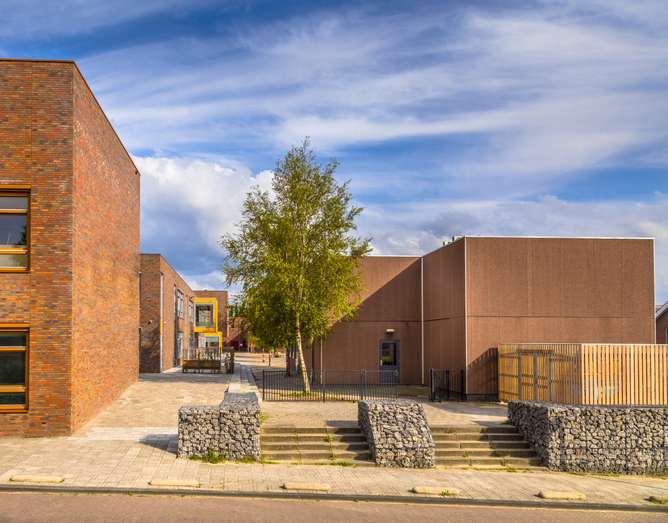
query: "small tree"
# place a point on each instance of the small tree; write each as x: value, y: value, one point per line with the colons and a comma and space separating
x: 295, y: 254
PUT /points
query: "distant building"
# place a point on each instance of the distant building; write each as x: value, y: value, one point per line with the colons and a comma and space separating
x: 69, y: 252
x: 174, y: 317
x: 662, y: 324
x: 451, y: 308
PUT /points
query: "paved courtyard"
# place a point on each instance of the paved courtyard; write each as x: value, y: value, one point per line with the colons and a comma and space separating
x: 133, y: 443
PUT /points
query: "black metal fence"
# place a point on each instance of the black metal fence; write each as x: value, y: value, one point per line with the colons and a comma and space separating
x: 447, y: 384
x: 331, y: 385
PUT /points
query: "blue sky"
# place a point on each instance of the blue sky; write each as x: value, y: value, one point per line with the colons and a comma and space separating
x: 449, y: 118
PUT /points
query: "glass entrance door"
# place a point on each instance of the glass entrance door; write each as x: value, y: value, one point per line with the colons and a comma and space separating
x: 389, y: 355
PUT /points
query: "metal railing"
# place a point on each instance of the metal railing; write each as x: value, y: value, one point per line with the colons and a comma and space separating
x: 199, y: 359
x: 331, y: 385
x: 447, y: 384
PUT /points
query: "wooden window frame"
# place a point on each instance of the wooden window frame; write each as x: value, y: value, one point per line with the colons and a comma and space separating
x: 26, y: 350
x: 17, y: 190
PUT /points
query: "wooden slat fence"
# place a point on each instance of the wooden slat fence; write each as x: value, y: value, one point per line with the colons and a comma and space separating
x: 593, y: 374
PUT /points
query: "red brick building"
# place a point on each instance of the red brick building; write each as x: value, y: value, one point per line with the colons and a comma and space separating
x: 69, y: 252
x: 168, y: 314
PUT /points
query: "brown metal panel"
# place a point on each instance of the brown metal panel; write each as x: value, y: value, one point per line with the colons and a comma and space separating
x: 523, y: 290
x: 390, y: 300
x: 662, y: 328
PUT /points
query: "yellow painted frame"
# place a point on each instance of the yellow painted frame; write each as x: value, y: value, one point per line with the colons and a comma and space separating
x: 17, y: 190
x: 17, y: 327
x: 205, y: 301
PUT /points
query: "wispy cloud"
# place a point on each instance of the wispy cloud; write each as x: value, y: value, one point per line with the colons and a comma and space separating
x: 472, y: 113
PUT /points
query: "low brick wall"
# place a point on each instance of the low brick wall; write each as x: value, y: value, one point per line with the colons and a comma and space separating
x: 590, y: 438
x: 231, y: 429
x: 397, y: 433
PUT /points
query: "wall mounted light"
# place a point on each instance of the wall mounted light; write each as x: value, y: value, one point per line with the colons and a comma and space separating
x: 389, y: 331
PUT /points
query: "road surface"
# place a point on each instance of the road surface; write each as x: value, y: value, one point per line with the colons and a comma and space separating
x: 55, y: 508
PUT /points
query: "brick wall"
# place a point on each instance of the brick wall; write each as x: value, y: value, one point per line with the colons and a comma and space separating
x: 83, y: 350
x: 36, y: 149
x: 105, y: 261
x: 152, y: 265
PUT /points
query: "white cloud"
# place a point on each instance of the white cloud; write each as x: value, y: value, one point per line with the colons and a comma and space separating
x: 547, y: 92
x: 187, y: 205
x: 400, y: 230
x: 39, y: 18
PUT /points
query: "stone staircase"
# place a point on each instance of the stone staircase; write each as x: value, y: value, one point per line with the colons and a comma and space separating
x: 492, y: 445
x: 315, y: 445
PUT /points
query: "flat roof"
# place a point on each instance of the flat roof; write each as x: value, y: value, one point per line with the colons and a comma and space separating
x: 49, y: 60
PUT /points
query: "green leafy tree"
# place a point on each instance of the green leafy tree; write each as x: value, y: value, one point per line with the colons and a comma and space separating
x: 295, y: 254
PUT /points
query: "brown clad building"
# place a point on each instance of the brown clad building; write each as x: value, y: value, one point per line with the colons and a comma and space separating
x: 662, y: 324
x: 69, y: 252
x: 451, y: 308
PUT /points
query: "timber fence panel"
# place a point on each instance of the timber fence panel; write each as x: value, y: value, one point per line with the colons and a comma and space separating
x: 594, y: 374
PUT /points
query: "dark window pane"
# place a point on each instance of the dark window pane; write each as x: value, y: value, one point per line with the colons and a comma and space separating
x: 13, y: 202
x: 388, y: 354
x: 12, y: 368
x: 13, y: 230
x: 13, y: 339
x: 12, y: 261
x: 12, y: 398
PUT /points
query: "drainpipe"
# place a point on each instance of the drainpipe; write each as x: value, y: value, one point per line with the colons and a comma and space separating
x: 422, y: 319
x: 162, y: 298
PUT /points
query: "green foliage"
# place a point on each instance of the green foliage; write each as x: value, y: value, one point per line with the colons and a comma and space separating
x: 295, y: 254
x: 210, y: 457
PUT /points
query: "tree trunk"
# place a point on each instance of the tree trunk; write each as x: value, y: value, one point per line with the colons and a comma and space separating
x: 300, y: 355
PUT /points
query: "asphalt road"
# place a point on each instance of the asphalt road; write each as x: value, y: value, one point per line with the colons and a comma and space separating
x: 56, y: 508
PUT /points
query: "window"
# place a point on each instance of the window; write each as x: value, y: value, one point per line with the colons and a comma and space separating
x: 179, y: 303
x: 389, y: 354
x: 14, y: 230
x: 204, y: 315
x: 191, y: 311
x: 13, y: 369
x: 179, y: 346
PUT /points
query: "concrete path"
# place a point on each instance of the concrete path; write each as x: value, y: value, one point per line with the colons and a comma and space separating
x: 133, y: 443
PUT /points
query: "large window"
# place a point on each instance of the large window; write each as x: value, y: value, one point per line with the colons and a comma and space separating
x: 204, y: 315
x: 13, y: 369
x: 14, y: 230
x: 179, y: 303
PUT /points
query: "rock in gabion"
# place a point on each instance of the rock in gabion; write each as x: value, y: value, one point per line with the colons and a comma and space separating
x: 593, y: 438
x: 231, y: 429
x: 397, y: 433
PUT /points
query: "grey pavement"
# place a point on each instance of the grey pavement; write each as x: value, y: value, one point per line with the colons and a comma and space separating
x: 133, y: 443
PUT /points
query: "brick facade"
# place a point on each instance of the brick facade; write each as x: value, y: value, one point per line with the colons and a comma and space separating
x: 221, y: 296
x: 150, y: 360
x: 154, y: 268
x: 80, y: 296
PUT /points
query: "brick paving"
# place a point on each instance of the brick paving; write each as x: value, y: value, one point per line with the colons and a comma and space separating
x: 134, y: 442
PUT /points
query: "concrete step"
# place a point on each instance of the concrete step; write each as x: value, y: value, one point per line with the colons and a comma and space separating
x: 473, y: 429
x: 291, y: 455
x: 465, y: 453
x: 475, y: 436
x: 313, y: 438
x: 270, y: 447
x: 488, y: 461
x: 491, y: 444
x: 276, y: 429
